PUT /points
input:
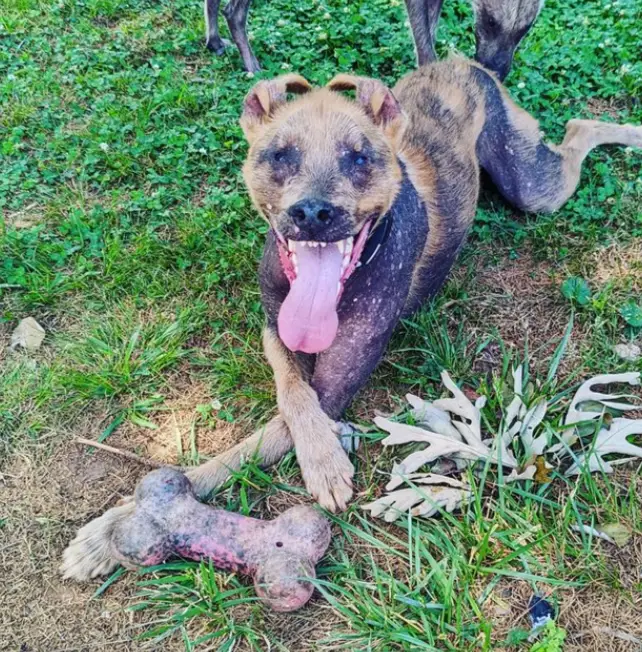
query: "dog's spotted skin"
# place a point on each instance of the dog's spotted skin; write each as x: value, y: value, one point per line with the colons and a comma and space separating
x: 373, y: 301
x: 442, y: 124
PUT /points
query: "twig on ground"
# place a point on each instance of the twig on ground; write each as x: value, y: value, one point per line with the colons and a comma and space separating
x: 130, y: 456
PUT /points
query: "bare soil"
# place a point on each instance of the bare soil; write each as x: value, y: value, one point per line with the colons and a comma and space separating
x: 48, y: 490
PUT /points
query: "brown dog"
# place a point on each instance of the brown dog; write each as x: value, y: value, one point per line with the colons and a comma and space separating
x: 369, y: 202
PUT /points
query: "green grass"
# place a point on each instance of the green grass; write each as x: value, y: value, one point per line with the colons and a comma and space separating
x: 126, y: 231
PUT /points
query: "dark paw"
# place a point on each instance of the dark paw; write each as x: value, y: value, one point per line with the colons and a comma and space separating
x: 251, y: 64
x: 217, y: 45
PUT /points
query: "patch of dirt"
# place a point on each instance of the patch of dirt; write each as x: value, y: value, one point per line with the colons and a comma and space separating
x: 520, y: 300
x: 43, y: 501
x: 618, y: 264
x: 600, y: 107
x: 25, y: 218
x: 181, y: 428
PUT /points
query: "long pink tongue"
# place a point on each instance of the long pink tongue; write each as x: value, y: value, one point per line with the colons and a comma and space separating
x: 308, y: 318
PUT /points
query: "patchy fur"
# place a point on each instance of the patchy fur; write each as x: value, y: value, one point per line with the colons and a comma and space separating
x: 429, y: 138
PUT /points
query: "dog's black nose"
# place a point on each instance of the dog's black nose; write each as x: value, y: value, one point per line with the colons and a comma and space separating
x: 312, y: 212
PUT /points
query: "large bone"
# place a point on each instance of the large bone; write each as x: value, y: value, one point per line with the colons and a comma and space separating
x: 279, y: 554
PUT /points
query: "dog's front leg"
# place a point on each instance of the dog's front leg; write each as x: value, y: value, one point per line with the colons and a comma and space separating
x: 311, y: 409
x: 424, y: 17
x: 339, y: 373
x: 326, y: 469
x: 213, y: 40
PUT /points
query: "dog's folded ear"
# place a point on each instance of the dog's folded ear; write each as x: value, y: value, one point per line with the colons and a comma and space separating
x: 375, y: 97
x: 266, y: 96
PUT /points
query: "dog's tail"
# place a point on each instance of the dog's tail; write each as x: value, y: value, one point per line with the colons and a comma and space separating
x: 89, y: 554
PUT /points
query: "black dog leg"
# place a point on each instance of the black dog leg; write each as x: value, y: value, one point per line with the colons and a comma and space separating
x: 236, y: 15
x: 424, y: 17
x: 213, y: 40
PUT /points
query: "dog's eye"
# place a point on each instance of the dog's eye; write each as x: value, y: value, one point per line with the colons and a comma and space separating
x: 357, y: 164
x: 357, y: 159
x: 360, y: 160
x: 283, y: 161
x: 284, y: 155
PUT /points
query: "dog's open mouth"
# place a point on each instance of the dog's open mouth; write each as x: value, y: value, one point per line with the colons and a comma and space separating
x: 317, y: 272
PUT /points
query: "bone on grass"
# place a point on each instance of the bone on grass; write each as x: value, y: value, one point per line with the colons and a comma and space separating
x: 168, y: 520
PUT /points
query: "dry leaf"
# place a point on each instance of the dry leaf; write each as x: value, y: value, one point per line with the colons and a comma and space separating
x: 460, y: 405
x: 587, y: 529
x: 615, y: 533
x: 542, y: 475
x: 438, y: 446
x: 452, y: 433
x: 432, y: 418
x: 29, y: 335
x: 527, y: 474
x: 609, y: 440
x: 628, y: 352
x: 618, y: 532
x: 586, y: 396
x: 431, y: 493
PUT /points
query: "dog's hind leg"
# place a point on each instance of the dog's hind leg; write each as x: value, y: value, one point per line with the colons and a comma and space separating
x: 581, y: 137
x: 213, y: 40
x: 89, y: 554
x: 236, y: 15
x: 424, y: 17
x: 531, y: 174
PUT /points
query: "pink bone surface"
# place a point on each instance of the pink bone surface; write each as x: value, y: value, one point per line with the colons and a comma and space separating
x: 168, y: 520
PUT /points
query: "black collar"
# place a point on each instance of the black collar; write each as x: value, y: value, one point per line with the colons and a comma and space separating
x: 377, y: 239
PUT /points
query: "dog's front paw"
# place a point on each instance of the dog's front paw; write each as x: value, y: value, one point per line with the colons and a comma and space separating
x: 327, y: 473
x: 217, y: 45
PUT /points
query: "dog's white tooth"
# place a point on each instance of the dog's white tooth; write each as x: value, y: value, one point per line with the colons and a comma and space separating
x: 291, y: 245
x: 349, y: 245
x: 341, y: 245
x: 338, y: 288
x: 323, y: 244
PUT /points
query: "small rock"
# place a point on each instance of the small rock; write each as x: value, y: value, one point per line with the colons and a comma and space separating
x: 29, y: 335
x: 628, y: 352
x: 540, y: 612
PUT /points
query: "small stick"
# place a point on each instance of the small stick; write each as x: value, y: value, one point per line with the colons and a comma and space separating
x: 130, y: 456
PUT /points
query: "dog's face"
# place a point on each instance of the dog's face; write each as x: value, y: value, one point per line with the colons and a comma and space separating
x: 319, y: 167
x: 322, y: 170
x: 500, y: 25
